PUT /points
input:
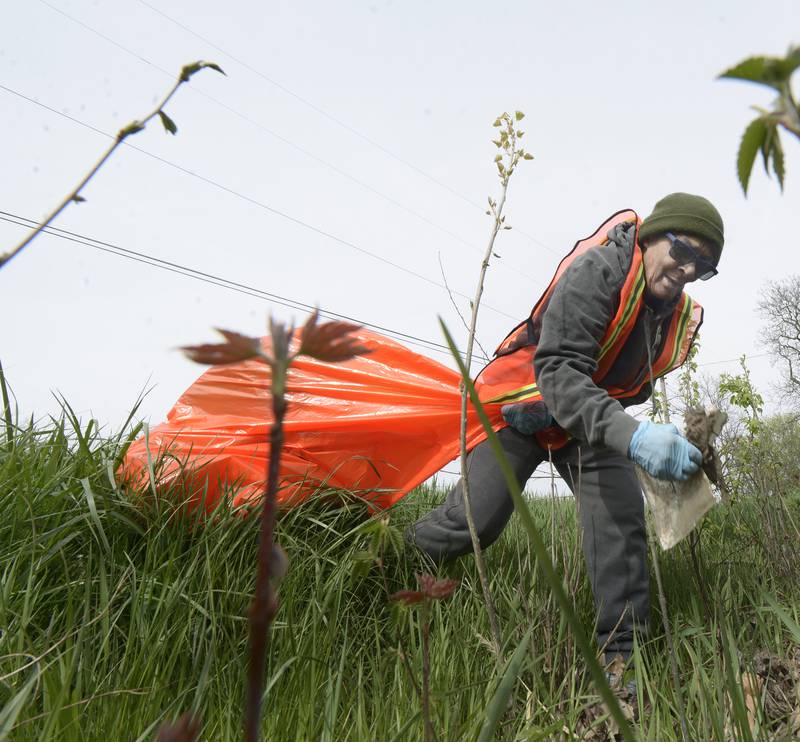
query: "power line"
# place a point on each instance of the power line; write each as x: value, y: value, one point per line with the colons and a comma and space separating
x: 288, y: 142
x: 251, y: 290
x: 258, y: 203
x: 247, y: 290
x: 313, y: 107
x: 335, y: 120
x: 219, y: 281
x: 731, y: 360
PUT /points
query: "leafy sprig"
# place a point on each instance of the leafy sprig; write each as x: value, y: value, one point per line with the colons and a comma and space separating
x: 762, y: 135
x: 330, y: 342
x: 134, y: 127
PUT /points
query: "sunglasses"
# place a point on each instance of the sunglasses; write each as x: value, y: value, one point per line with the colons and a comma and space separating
x: 683, y: 254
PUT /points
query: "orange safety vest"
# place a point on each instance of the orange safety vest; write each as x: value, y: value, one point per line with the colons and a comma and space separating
x: 510, y: 376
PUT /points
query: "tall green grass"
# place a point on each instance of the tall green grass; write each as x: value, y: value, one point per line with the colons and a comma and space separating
x: 119, y: 612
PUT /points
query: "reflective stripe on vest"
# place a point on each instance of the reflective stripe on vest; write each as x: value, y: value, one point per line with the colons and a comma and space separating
x: 510, y: 377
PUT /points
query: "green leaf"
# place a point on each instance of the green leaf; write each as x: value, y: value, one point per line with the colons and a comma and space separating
x: 518, y: 115
x: 767, y: 71
x: 735, y: 691
x: 190, y: 69
x: 499, y: 703
x: 766, y: 145
x: 771, y: 149
x: 781, y: 612
x: 169, y: 124
x: 751, y: 69
x: 87, y: 491
x: 777, y: 159
x: 528, y: 156
x: 773, y: 72
x: 496, y: 122
x: 752, y: 139
x: 498, y: 158
x: 12, y: 708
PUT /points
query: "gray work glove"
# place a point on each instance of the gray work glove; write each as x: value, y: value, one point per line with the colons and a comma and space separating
x: 527, y: 417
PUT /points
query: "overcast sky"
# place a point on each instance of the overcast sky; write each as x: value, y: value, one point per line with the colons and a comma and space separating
x: 345, y: 154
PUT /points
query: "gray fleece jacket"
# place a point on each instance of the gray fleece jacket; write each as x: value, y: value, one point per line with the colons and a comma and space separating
x: 583, y: 303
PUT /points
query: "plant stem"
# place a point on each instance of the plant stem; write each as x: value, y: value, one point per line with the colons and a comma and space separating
x: 401, y: 644
x: 662, y: 599
x: 673, y: 662
x: 497, y: 212
x: 122, y: 135
x: 9, y: 423
x: 265, y: 602
x: 664, y: 404
x: 480, y: 563
x: 430, y: 735
x: 694, y: 553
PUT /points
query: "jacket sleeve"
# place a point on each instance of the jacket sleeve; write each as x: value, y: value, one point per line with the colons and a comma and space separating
x: 583, y: 303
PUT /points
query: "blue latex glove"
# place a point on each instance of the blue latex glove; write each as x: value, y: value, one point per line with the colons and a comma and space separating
x: 663, y: 452
x: 527, y: 417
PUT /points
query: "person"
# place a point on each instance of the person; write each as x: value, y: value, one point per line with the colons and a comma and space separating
x: 613, y: 319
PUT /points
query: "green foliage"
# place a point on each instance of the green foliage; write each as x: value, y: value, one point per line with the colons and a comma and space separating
x: 108, y: 637
x: 763, y: 133
x: 771, y: 71
x: 752, y: 141
x: 740, y: 392
x: 658, y: 406
x: 688, y: 386
x: 508, y: 142
x: 499, y: 703
x: 767, y: 457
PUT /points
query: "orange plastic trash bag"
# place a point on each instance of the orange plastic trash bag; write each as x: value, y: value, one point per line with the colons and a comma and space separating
x: 377, y: 425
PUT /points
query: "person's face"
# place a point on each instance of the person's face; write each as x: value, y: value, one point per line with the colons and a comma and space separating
x: 664, y: 276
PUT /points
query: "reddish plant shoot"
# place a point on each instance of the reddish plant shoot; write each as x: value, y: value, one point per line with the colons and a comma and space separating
x: 235, y: 349
x: 407, y: 597
x: 330, y: 342
x: 430, y: 588
x: 434, y: 588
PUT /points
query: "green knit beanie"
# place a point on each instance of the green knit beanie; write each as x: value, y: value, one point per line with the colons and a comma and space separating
x: 684, y: 212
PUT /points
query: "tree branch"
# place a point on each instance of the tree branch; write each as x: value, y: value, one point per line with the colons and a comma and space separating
x: 132, y: 128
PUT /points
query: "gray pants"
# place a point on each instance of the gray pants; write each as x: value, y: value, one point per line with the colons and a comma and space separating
x: 611, y: 514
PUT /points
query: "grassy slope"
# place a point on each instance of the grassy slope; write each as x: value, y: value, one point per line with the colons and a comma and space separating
x: 116, y: 616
